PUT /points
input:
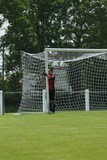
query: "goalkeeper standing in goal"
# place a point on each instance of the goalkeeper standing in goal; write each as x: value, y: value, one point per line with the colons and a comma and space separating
x: 51, y: 81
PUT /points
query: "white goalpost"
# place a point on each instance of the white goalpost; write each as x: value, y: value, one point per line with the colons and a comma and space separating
x: 80, y: 80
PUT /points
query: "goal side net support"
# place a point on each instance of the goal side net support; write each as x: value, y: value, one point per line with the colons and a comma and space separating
x: 80, y: 80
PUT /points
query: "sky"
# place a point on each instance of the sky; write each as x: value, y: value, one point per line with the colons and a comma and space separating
x: 2, y: 32
x: 4, y: 25
x: 3, y: 28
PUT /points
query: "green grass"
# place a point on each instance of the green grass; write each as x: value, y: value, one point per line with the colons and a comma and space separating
x: 60, y: 136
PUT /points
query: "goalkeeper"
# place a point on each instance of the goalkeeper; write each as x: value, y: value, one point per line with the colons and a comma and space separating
x: 51, y: 80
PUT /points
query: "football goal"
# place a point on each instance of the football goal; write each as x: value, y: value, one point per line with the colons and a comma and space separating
x: 80, y: 80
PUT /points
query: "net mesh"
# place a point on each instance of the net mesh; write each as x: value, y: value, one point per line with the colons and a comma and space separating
x: 75, y: 71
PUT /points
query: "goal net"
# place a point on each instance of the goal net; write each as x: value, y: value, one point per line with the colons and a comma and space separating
x: 76, y: 71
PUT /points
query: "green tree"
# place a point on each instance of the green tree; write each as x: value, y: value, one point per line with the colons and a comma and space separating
x: 36, y: 24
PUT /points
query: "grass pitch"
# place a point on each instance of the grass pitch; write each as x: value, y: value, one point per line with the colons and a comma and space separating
x: 60, y: 136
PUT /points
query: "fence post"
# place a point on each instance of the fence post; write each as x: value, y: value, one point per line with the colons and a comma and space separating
x: 1, y: 103
x: 87, y: 103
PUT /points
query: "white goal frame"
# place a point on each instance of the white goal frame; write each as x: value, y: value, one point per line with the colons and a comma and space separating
x: 46, y: 92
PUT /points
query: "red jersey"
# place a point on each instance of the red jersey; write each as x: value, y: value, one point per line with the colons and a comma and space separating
x: 51, y: 82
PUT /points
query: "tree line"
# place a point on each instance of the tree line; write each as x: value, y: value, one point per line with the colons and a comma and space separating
x: 36, y: 24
